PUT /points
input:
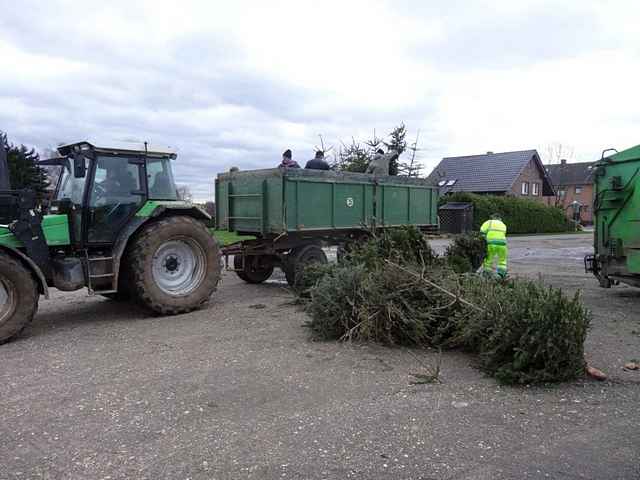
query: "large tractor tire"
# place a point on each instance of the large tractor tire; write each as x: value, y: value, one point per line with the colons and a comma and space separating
x: 256, y: 268
x: 18, y: 298
x: 175, y: 265
x: 298, y: 259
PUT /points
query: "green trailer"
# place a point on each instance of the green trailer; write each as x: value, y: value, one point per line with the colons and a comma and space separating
x: 293, y: 213
x: 616, y: 209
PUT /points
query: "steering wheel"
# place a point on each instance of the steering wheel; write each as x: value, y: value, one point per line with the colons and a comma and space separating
x: 99, y: 191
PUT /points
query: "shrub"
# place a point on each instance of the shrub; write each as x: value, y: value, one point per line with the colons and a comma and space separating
x: 466, y: 252
x: 523, y: 331
x: 404, y: 245
x: 385, y: 306
x: 519, y: 214
x: 529, y: 333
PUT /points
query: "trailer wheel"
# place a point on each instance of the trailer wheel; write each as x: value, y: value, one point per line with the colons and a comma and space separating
x: 300, y: 258
x: 18, y: 298
x: 175, y: 265
x: 256, y: 268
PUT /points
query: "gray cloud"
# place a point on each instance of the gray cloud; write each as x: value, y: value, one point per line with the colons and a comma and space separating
x: 202, y: 91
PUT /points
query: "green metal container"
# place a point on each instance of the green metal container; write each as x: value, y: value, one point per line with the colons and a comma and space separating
x: 276, y: 201
x: 616, y: 219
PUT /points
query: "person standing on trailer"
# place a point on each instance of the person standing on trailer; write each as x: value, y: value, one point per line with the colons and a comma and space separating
x: 318, y: 163
x: 379, y: 164
x: 287, y: 161
x: 495, y: 233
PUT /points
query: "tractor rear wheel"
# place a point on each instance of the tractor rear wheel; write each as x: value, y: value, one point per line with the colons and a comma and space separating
x: 175, y: 265
x: 299, y: 258
x: 18, y: 298
x: 254, y: 269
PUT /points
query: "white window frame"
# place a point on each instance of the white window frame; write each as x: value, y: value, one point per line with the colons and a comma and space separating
x: 578, y: 189
x: 535, y: 189
x: 525, y: 188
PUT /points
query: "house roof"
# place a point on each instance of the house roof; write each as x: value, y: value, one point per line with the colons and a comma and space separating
x: 570, y: 173
x: 490, y: 172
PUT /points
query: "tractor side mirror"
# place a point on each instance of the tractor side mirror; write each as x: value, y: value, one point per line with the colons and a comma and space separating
x: 79, y: 165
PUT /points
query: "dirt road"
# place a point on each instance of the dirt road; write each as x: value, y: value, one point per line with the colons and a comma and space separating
x: 97, y: 389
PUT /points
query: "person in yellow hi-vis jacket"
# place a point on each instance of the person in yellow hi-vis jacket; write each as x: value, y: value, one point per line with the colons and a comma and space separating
x: 495, y: 232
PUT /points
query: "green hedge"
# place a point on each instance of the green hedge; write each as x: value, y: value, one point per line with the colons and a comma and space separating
x: 520, y: 214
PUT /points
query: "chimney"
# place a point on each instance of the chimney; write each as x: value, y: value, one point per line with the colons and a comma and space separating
x: 563, y: 161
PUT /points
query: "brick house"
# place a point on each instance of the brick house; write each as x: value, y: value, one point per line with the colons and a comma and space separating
x: 573, y: 182
x: 520, y: 174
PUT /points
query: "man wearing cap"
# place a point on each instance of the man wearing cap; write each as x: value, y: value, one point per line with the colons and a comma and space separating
x: 495, y: 232
x: 318, y: 163
x: 287, y: 162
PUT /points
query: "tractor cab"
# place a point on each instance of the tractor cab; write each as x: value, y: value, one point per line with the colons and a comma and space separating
x: 102, y: 188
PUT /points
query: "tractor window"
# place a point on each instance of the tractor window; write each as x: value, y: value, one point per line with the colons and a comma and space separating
x: 71, y: 188
x: 114, y: 181
x: 160, y: 180
x: 115, y: 197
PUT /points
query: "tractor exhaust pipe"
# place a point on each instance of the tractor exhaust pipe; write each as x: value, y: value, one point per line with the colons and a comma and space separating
x: 4, y: 166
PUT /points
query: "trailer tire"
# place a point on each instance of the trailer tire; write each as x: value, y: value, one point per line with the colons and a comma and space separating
x: 19, y: 292
x: 248, y: 272
x: 300, y: 258
x: 175, y: 265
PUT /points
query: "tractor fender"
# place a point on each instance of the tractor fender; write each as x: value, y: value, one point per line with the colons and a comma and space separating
x: 151, y: 211
x: 31, y: 266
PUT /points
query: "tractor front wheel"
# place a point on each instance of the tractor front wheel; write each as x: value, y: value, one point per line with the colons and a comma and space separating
x: 175, y: 265
x: 18, y: 298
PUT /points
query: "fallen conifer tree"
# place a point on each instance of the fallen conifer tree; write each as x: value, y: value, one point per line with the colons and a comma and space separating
x: 394, y: 290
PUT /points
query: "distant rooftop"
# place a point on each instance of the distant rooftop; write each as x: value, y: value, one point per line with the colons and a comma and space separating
x: 571, y: 173
x: 489, y: 172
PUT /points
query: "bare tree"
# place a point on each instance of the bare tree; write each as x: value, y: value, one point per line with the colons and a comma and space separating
x: 555, y: 152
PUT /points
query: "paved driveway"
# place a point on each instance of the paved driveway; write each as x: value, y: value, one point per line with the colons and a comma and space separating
x: 97, y: 389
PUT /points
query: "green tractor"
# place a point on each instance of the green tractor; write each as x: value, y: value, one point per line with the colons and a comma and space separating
x: 115, y: 225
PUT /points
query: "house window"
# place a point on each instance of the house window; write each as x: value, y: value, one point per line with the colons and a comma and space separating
x: 525, y: 188
x: 535, y: 189
x: 562, y: 193
x: 578, y: 189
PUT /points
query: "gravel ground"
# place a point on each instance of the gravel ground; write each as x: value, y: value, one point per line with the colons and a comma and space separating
x: 96, y: 389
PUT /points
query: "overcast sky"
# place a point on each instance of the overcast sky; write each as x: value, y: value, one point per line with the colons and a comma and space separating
x: 235, y: 83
